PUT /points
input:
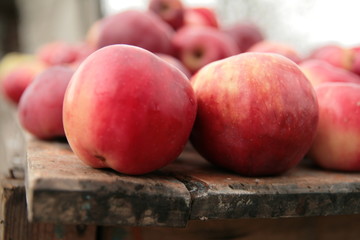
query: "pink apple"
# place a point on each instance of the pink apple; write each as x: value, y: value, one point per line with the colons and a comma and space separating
x: 40, y: 107
x: 16, y: 80
x: 267, y: 46
x: 60, y: 52
x: 170, y: 11
x: 257, y: 114
x: 198, y: 46
x: 355, y: 68
x: 335, y: 55
x: 246, y: 34
x: 176, y: 62
x: 201, y: 16
x: 318, y: 72
x: 129, y: 110
x: 337, y: 143
x: 139, y: 28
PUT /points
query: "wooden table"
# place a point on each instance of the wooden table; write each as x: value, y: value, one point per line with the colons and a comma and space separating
x: 61, y: 189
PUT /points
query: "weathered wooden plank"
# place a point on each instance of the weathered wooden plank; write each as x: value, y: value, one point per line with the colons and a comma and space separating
x: 60, y: 188
x: 14, y: 224
x: 303, y: 191
x: 315, y: 228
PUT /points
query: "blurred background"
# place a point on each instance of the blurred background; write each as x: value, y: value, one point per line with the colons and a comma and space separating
x: 26, y: 25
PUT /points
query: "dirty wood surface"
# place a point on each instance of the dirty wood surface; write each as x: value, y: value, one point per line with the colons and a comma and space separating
x: 60, y: 188
x: 309, y: 228
x: 14, y: 224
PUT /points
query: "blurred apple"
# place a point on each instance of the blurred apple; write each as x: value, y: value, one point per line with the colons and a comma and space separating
x: 257, y: 113
x: 285, y: 50
x: 176, y: 62
x: 40, y: 107
x: 129, y: 110
x: 12, y: 60
x: 139, y: 28
x: 335, y: 55
x: 16, y: 80
x: 201, y: 16
x: 356, y: 60
x: 246, y: 34
x: 337, y: 143
x: 198, y: 46
x: 60, y: 52
x: 170, y: 11
x: 318, y: 72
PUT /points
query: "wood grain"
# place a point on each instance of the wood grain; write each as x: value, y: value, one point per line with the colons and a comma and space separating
x: 309, y: 228
x: 60, y: 188
x: 14, y: 224
x: 303, y: 191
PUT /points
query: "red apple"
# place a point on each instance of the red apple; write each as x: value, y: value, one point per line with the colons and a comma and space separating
x: 176, y: 62
x: 129, y: 110
x: 40, y: 107
x: 266, y: 46
x: 12, y: 60
x: 170, y: 11
x: 336, y: 55
x: 257, y: 113
x: 60, y: 52
x: 198, y: 46
x: 245, y: 34
x: 139, y: 28
x: 337, y: 143
x: 355, y: 68
x: 319, y: 72
x: 15, y: 81
x: 201, y: 16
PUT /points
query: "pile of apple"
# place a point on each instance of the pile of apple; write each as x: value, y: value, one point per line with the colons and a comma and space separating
x: 143, y: 83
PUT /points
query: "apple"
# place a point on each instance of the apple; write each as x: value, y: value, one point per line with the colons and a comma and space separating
x: 15, y: 81
x: 257, y: 114
x: 246, y: 34
x: 267, y: 46
x: 336, y: 55
x: 176, y: 62
x: 355, y: 60
x: 198, y: 46
x: 12, y: 60
x: 318, y: 72
x: 170, y: 11
x: 134, y: 27
x: 337, y: 142
x: 201, y: 16
x: 40, y: 107
x: 129, y: 110
x: 60, y: 52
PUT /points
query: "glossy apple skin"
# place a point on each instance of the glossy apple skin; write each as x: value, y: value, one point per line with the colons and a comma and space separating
x: 170, y: 11
x: 257, y: 114
x: 197, y: 46
x: 40, y: 107
x: 246, y: 34
x: 129, y: 110
x: 14, y: 82
x: 134, y: 27
x: 337, y: 142
x: 285, y: 50
x: 319, y: 72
